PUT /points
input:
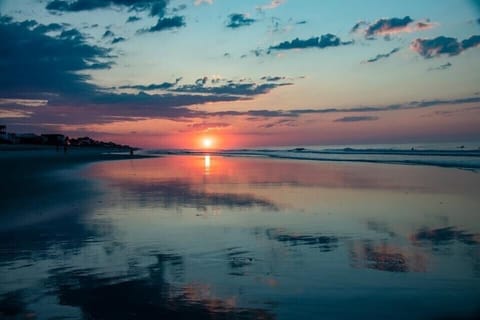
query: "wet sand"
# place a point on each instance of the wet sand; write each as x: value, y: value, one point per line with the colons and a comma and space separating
x: 209, y: 237
x: 31, y: 188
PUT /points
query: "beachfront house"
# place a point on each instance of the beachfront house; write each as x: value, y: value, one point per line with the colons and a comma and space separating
x: 29, y: 138
x: 6, y: 137
x: 54, y: 139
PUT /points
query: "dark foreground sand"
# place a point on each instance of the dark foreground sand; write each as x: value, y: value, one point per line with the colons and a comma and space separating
x: 38, y: 182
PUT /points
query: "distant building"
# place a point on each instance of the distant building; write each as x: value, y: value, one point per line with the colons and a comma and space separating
x: 54, y: 139
x: 29, y: 138
x: 5, y: 137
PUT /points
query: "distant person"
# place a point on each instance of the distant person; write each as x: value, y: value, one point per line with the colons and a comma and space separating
x: 65, y: 145
x: 131, y: 151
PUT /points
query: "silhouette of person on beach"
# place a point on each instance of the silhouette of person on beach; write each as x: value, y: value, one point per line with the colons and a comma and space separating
x: 65, y: 145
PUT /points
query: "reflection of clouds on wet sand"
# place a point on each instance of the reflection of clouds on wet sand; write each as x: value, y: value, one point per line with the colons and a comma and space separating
x: 324, y: 243
x: 288, y: 237
x: 385, y: 257
x: 147, y: 297
x: 444, y: 236
x: 181, y: 193
x: 59, y: 237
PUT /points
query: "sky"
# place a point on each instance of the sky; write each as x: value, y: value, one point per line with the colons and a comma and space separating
x: 170, y: 73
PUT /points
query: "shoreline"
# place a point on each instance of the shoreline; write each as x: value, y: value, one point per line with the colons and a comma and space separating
x: 30, y: 188
x: 461, y: 162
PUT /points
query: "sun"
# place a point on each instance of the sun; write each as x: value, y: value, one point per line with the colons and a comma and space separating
x: 207, y: 142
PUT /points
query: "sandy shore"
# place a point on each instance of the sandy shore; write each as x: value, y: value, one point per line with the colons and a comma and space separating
x: 38, y: 182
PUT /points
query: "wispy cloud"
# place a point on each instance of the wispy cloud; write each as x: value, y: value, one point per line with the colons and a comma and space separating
x: 153, y: 86
x: 441, y: 67
x: 271, y: 5
x: 199, y: 2
x: 208, y: 126
x: 382, y: 56
x: 168, y: 23
x: 280, y: 123
x: 322, y: 42
x: 357, y: 119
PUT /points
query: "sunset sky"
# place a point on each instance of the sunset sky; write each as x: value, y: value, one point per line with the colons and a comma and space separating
x: 160, y: 73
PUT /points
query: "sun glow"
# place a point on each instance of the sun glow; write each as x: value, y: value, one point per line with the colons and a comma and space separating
x: 207, y: 142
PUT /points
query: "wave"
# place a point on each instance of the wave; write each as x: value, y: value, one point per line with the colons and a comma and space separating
x: 463, y: 159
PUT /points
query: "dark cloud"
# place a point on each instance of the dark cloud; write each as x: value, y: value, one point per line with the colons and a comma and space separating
x: 37, y: 64
x: 156, y: 8
x: 357, y: 119
x: 431, y: 48
x: 441, y: 67
x: 168, y: 23
x: 325, y: 41
x: 382, y: 56
x: 153, y: 86
x: 272, y: 78
x: 52, y: 68
x: 133, y: 19
x: 108, y: 34
x: 383, y: 26
x: 118, y: 39
x: 49, y: 28
x: 389, y: 26
x: 84, y: 5
x: 236, y: 89
x: 237, y: 20
x: 253, y: 113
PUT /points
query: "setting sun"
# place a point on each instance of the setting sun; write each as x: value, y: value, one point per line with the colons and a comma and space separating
x: 207, y: 142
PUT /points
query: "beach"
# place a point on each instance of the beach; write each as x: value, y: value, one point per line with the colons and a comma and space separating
x: 226, y: 237
x: 31, y: 182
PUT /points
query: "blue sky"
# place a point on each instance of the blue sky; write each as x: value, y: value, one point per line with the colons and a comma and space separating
x: 233, y: 70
